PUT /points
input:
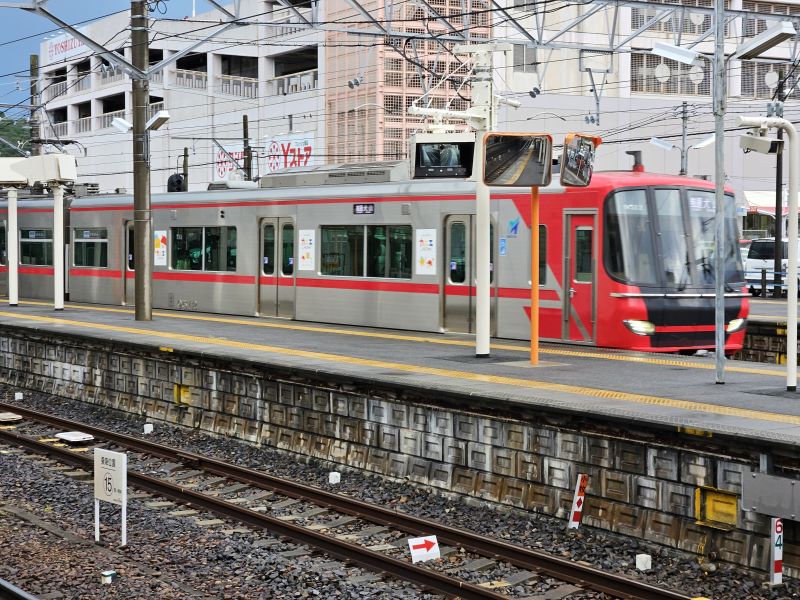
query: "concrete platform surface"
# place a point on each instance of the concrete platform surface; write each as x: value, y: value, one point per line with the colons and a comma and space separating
x: 666, y: 390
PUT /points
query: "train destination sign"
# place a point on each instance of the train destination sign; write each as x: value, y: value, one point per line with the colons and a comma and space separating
x: 518, y: 159
x: 363, y: 209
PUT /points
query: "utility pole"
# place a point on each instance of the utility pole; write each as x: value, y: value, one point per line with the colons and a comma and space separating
x: 719, y: 183
x: 36, y: 147
x: 684, y: 149
x: 142, y: 226
x: 777, y: 292
x: 185, y: 169
x: 248, y: 154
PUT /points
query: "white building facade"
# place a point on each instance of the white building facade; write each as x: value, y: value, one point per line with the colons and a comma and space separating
x: 318, y: 95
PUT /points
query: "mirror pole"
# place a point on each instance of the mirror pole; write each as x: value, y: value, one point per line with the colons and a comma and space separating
x: 534, y: 275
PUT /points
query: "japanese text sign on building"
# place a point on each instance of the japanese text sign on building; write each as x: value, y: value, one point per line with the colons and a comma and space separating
x: 424, y: 548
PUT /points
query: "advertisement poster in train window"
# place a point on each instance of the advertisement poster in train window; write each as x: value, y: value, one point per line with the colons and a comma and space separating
x: 307, y: 253
x: 426, y: 252
x: 160, y: 248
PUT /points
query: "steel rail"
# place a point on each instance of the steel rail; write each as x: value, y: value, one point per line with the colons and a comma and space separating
x: 8, y: 591
x: 542, y: 562
x: 380, y: 563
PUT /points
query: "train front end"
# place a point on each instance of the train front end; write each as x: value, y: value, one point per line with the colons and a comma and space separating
x: 659, y: 257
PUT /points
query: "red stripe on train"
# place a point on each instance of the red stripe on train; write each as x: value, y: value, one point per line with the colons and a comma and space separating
x: 35, y: 270
x: 369, y: 285
x: 95, y: 273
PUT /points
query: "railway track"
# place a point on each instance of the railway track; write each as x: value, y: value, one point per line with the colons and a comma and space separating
x: 315, y: 502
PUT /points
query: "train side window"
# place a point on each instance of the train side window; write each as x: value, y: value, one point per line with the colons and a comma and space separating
x: 187, y: 248
x: 342, y: 250
x: 220, y: 249
x: 458, y: 252
x: 36, y: 247
x: 90, y: 247
x: 389, y: 249
x: 268, y: 253
x: 542, y: 254
x: 583, y: 255
x: 131, y: 261
x: 287, y: 250
x: 3, y: 247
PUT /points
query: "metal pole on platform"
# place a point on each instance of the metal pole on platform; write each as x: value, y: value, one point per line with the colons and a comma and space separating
x: 142, y: 226
x: 13, y: 249
x: 719, y: 182
x: 58, y: 247
x: 791, y: 270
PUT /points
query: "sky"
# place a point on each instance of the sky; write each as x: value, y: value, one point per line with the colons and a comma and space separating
x: 18, y: 24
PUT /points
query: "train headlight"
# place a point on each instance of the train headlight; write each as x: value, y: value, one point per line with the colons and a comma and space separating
x: 736, y: 325
x: 640, y: 327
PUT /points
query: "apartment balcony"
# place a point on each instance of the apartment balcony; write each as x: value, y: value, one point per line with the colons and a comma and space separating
x: 196, y: 80
x: 57, y: 130
x: 105, y: 119
x: 293, y: 84
x: 157, y: 78
x: 53, y: 90
x: 154, y: 108
x: 244, y: 87
x: 111, y: 76
x: 83, y: 125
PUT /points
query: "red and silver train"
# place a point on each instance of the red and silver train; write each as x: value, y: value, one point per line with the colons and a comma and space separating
x: 626, y: 262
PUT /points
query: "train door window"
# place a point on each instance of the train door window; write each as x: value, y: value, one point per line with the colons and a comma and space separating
x: 542, y: 254
x: 220, y: 249
x: 90, y: 247
x: 268, y: 254
x: 583, y: 255
x: 3, y: 247
x: 187, y: 248
x: 36, y: 247
x: 131, y: 246
x: 342, y: 250
x: 389, y: 250
x: 672, y: 237
x: 287, y: 249
x: 458, y: 252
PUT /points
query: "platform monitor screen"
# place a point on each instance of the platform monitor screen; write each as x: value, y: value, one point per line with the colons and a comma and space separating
x: 444, y: 159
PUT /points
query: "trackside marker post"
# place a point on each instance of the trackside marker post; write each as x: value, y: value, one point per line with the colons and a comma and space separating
x: 111, y: 485
x: 578, y: 501
x: 776, y: 555
x: 424, y: 548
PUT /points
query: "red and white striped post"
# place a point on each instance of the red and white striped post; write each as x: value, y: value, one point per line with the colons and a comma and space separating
x: 776, y: 555
x: 578, y: 501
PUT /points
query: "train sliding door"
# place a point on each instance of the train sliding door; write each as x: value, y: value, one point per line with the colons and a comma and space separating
x: 459, y: 274
x: 129, y: 297
x: 276, y: 292
x: 580, y: 276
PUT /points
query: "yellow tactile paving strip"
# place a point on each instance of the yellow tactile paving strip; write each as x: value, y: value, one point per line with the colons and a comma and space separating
x: 639, y: 399
x: 596, y: 354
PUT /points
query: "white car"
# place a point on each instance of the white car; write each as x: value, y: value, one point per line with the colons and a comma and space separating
x: 761, y: 256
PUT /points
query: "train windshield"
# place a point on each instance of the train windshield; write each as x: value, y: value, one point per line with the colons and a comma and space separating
x: 665, y: 238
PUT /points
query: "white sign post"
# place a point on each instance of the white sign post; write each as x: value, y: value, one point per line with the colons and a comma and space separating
x: 111, y: 485
x: 776, y: 555
x: 578, y: 501
x: 424, y: 548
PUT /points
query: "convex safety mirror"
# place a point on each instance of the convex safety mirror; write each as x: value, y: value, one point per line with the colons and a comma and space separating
x: 518, y: 159
x: 577, y: 160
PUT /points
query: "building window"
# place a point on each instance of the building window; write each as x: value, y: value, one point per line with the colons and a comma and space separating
x: 90, y: 247
x: 692, y: 24
x: 752, y: 26
x: 524, y: 59
x: 652, y: 74
x: 36, y: 247
x: 204, y: 248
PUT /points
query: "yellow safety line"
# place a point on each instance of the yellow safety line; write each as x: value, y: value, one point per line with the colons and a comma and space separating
x: 459, y: 375
x: 255, y: 322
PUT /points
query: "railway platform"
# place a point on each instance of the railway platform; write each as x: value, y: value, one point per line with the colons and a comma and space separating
x: 665, y: 448
x: 640, y: 387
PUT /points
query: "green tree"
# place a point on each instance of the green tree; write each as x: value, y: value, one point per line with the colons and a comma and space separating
x: 15, y: 131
